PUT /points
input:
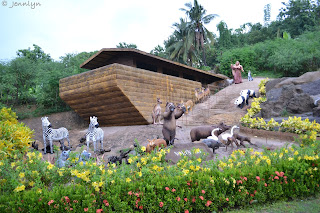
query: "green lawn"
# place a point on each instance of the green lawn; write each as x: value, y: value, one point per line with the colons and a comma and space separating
x: 308, y: 205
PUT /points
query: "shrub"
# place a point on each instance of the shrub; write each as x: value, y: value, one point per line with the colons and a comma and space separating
x: 15, y: 137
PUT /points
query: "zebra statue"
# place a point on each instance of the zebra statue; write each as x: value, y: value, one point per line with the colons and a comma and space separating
x: 51, y: 135
x: 94, y: 133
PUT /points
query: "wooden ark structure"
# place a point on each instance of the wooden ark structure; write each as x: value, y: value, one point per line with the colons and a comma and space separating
x: 123, y: 85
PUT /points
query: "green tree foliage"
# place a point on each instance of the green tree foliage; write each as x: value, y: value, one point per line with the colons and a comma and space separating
x: 159, y: 51
x: 285, y: 57
x: 201, y: 36
x: 180, y: 45
x: 299, y: 16
x: 125, y: 45
x: 33, y: 78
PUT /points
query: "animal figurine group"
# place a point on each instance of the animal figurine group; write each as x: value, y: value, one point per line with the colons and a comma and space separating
x: 94, y: 134
x: 202, y: 94
x: 51, y: 135
x: 171, y: 114
x: 156, y: 112
x: 188, y: 105
x: 244, y: 97
x: 155, y: 143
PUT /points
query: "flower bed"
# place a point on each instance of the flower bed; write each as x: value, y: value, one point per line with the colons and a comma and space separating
x: 150, y: 184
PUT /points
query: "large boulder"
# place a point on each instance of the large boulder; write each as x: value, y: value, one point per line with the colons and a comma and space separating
x: 292, y: 95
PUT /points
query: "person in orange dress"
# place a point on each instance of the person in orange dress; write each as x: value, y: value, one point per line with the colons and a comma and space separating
x: 236, y: 72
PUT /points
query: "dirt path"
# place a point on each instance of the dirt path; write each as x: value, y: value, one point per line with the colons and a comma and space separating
x: 218, y: 108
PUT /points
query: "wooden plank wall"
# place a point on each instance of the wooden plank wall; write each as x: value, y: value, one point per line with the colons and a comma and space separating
x: 122, y: 95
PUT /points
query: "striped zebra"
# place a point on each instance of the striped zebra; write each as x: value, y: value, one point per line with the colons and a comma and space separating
x: 51, y: 135
x: 94, y: 133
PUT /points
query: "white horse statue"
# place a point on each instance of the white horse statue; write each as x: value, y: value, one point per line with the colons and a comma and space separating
x: 51, y: 135
x: 95, y: 133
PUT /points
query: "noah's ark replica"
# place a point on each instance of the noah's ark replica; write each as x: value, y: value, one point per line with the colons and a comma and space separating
x: 123, y: 85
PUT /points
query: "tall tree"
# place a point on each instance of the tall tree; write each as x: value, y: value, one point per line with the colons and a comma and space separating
x: 180, y: 44
x: 299, y: 16
x: 197, y: 15
x: 35, y: 55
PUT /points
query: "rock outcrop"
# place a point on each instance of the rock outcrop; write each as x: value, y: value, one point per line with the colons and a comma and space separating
x: 292, y: 95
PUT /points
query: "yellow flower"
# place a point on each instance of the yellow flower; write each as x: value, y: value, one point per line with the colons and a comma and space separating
x: 197, y: 151
x: 296, y: 153
x: 290, y: 158
x: 50, y: 166
x: 39, y: 155
x: 21, y: 175
x: 199, y: 160
x: 110, y: 172
x: 268, y: 162
x: 286, y: 151
x: 140, y: 174
x: 128, y: 180
x: 1, y: 163
x: 130, y: 160
x: 143, y: 148
x: 13, y: 164
x: 112, y: 181
x: 185, y: 171
x: 39, y: 191
x: 31, y: 183
x: 230, y: 160
x: 138, y: 164
x: 143, y: 161
x: 19, y: 188
x: 281, y: 155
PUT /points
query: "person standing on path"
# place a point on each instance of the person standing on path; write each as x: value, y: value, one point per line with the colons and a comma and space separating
x: 236, y: 72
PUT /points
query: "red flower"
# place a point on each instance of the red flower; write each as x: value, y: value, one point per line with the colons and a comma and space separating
x: 137, y: 194
x: 193, y: 200
x: 201, y: 197
x: 276, y: 177
x: 75, y: 201
x: 178, y: 198
x: 186, y: 211
x: 239, y: 190
x: 67, y: 199
x: 227, y: 199
x: 202, y: 191
x: 105, y: 202
x: 186, y: 199
x: 265, y: 184
x: 40, y: 199
x: 161, y: 204
x: 239, y: 181
x: 247, y: 193
x: 281, y: 174
x: 286, y: 182
x: 277, y: 173
x: 258, y: 178
x: 252, y: 195
x: 285, y: 177
x: 244, y: 178
x: 55, y: 206
x: 173, y: 190
x: 71, y: 209
x: 130, y: 193
x: 208, y: 203
x: 188, y: 184
x: 94, y: 201
x: 140, y: 207
x: 85, y: 209
x: 293, y: 180
x: 51, y: 201
x: 99, y: 210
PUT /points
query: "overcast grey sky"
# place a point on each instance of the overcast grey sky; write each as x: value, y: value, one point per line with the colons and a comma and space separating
x: 73, y: 26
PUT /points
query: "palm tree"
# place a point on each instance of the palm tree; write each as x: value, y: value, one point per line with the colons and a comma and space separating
x: 180, y: 44
x: 198, y: 17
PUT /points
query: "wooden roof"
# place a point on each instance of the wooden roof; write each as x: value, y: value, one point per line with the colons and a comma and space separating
x: 105, y: 55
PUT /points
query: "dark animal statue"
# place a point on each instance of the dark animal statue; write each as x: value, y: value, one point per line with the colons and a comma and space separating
x: 242, y: 139
x: 170, y: 116
x: 202, y: 132
x: 213, y: 144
